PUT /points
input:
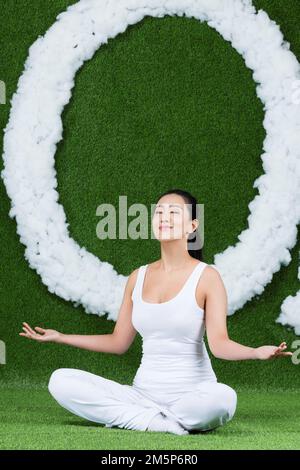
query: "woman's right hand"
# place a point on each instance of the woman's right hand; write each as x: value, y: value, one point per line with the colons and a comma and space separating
x: 42, y: 335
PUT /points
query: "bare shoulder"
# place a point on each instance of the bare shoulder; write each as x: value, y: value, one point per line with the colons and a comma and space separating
x: 211, y: 274
x: 209, y: 281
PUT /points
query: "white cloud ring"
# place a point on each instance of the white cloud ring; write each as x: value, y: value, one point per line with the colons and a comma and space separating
x: 35, y: 127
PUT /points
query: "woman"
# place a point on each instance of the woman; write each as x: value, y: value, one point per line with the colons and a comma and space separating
x: 170, y: 302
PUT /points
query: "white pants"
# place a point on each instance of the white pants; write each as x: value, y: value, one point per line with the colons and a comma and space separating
x: 105, y: 401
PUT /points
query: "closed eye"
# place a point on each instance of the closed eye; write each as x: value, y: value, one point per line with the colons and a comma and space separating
x: 173, y: 212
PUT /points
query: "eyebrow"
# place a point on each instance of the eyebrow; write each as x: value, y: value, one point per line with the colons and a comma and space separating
x: 171, y: 205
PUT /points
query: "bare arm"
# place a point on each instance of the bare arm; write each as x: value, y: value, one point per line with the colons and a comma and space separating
x: 216, y: 315
x: 123, y: 335
x: 124, y: 331
x: 98, y: 343
x: 117, y: 342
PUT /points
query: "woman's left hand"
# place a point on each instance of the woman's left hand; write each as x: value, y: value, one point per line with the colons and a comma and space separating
x: 270, y: 352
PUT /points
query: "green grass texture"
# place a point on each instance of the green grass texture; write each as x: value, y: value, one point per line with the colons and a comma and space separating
x: 263, y: 420
x: 168, y: 103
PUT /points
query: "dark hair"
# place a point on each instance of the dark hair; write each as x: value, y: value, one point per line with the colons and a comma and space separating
x: 192, y: 201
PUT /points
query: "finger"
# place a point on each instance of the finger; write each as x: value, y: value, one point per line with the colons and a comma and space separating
x: 41, y: 330
x: 286, y: 353
x: 27, y: 326
x: 34, y: 336
x: 31, y: 335
x: 26, y: 335
x: 26, y: 330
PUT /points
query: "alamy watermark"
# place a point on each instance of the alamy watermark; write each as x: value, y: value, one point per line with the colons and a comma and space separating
x: 2, y: 92
x: 295, y: 358
x: 2, y: 352
x: 168, y: 220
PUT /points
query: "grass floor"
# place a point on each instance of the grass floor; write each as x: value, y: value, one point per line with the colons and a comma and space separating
x: 153, y: 109
x: 263, y: 420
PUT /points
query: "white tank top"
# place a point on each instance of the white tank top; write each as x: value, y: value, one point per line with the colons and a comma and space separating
x: 175, y: 359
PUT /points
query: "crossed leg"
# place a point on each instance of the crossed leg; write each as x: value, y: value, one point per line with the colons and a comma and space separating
x: 106, y: 401
x: 101, y: 400
x: 210, y: 405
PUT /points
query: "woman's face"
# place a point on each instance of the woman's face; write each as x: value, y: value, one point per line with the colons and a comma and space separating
x: 171, y: 218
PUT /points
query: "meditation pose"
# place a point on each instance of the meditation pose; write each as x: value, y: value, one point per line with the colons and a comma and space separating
x: 171, y: 303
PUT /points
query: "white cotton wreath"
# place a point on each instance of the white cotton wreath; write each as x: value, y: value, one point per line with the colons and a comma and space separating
x: 35, y: 127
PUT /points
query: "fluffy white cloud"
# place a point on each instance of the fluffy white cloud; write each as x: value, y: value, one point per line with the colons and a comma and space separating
x: 35, y: 127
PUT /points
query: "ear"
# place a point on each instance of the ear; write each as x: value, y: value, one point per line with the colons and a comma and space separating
x: 196, y: 224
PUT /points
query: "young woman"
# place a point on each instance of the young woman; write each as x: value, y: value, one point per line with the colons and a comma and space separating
x: 170, y: 302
